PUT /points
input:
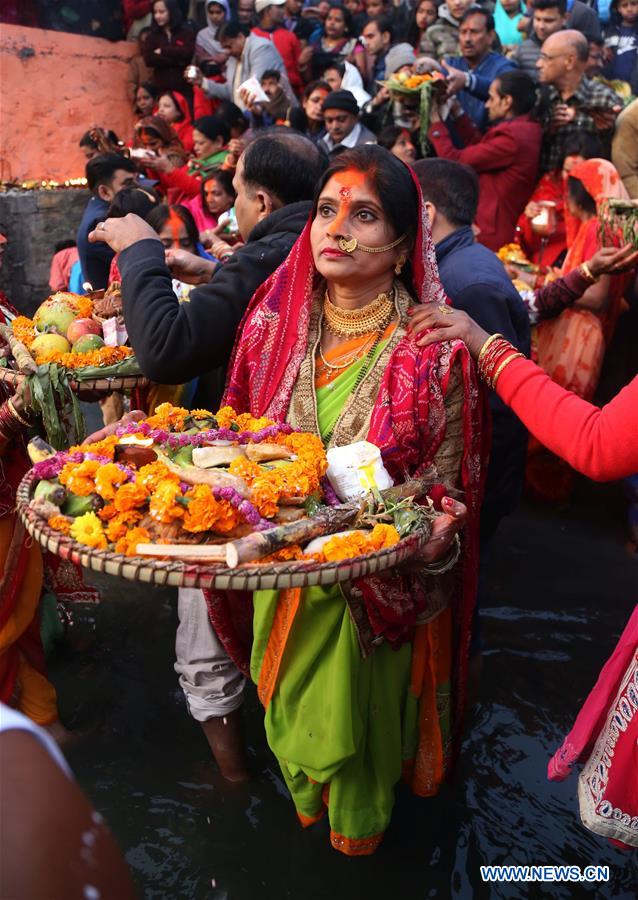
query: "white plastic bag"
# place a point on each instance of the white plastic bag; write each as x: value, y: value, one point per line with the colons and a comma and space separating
x: 355, y: 469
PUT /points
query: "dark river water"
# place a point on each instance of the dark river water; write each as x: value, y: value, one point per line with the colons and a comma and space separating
x: 562, y: 587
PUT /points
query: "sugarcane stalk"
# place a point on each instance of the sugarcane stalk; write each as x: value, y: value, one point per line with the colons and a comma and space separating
x: 201, y: 552
x: 26, y: 363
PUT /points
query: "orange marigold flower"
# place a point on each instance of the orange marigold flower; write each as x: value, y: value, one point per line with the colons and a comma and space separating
x: 164, y: 506
x: 60, y: 523
x: 130, y: 496
x: 201, y: 414
x: 105, y: 447
x: 264, y: 495
x: 244, y: 468
x: 205, y: 513
x: 169, y: 417
x: 107, y: 512
x: 107, y: 478
x: 128, y: 543
x: 120, y: 524
x: 246, y: 422
x: 24, y: 330
x: 347, y: 546
x: 79, y: 478
x: 83, y: 306
x: 293, y: 551
x: 151, y: 474
x: 105, y: 356
x: 226, y: 416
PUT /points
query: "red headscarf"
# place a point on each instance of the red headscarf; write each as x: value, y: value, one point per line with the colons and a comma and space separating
x: 408, y: 424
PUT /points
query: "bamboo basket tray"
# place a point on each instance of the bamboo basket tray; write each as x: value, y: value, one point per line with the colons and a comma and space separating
x: 248, y: 577
x: 103, y: 385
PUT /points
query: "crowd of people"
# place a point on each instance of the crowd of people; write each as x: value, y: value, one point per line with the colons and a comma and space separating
x: 277, y: 173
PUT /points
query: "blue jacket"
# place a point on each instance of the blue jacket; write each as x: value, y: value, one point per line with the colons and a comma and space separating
x: 473, y: 99
x: 95, y: 259
x: 475, y: 281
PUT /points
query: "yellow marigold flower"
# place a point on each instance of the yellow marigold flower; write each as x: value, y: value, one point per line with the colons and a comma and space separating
x: 347, y: 546
x: 128, y: 543
x: 246, y: 422
x: 163, y: 506
x: 107, y: 478
x: 60, y: 523
x: 130, y: 496
x: 87, y: 529
x: 201, y: 414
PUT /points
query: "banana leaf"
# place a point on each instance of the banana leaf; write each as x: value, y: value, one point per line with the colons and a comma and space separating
x: 128, y: 366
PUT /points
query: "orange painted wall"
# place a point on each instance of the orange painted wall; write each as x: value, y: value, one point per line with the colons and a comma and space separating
x: 54, y: 87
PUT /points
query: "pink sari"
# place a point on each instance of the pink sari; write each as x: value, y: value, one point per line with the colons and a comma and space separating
x: 605, y: 733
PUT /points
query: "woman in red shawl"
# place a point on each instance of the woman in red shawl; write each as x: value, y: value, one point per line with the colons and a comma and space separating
x: 173, y: 108
x: 571, y: 347
x: 363, y: 682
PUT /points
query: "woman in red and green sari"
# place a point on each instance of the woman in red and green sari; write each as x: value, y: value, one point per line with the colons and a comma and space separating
x: 365, y: 681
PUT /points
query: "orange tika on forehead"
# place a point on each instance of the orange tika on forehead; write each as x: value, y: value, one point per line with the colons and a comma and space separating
x: 347, y: 180
x: 176, y: 223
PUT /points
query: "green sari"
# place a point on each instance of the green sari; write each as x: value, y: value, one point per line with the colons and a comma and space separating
x: 335, y: 719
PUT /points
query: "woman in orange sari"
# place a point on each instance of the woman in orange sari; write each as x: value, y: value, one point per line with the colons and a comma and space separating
x: 571, y: 347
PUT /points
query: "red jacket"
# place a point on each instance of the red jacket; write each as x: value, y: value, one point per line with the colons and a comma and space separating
x: 287, y: 43
x: 506, y: 161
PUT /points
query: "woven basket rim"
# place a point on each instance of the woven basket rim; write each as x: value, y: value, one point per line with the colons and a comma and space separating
x: 293, y: 573
x: 112, y: 383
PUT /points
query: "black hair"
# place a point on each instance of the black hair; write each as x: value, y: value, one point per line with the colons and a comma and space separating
x: 149, y: 87
x: 391, y: 179
x: 586, y: 144
x: 101, y: 169
x: 338, y: 66
x: 389, y: 135
x: 224, y: 179
x: 230, y: 30
x: 479, y: 11
x: 347, y: 17
x: 560, y: 5
x: 64, y: 245
x: 520, y: 87
x: 175, y: 17
x: 133, y: 199
x: 317, y: 83
x: 88, y: 141
x: 171, y: 94
x: 579, y: 194
x: 273, y: 74
x: 412, y: 34
x: 451, y: 186
x: 285, y: 164
x: 232, y: 115
x: 213, y: 127
x: 383, y: 23
x: 159, y: 216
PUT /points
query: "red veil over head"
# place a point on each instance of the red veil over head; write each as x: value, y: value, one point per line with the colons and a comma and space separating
x: 408, y: 424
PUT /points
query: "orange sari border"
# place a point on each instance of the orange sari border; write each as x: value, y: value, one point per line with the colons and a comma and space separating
x: 287, y: 606
x: 355, y: 846
x: 307, y: 821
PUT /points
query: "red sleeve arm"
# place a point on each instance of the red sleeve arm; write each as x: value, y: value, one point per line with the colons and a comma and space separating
x: 600, y: 443
x: 467, y: 130
x: 180, y: 180
x: 493, y: 152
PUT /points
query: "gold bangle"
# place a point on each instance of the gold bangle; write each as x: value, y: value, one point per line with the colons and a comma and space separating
x: 485, y: 346
x: 587, y: 273
x: 16, y: 415
x: 503, y: 365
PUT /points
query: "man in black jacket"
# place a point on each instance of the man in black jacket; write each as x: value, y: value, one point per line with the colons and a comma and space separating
x: 475, y: 281
x: 275, y: 181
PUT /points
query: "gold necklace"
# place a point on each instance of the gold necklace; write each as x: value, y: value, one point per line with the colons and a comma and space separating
x: 375, y: 316
x: 353, y: 357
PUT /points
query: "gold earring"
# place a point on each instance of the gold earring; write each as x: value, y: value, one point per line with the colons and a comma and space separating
x: 399, y: 265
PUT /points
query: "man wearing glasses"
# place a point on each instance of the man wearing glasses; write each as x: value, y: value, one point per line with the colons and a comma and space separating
x: 572, y: 103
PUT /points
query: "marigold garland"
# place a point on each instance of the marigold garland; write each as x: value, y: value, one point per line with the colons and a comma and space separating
x: 346, y: 546
x: 104, y: 356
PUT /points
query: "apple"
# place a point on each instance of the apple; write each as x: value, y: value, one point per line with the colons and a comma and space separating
x: 82, y: 326
x: 50, y: 343
x: 86, y: 343
x: 55, y: 314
